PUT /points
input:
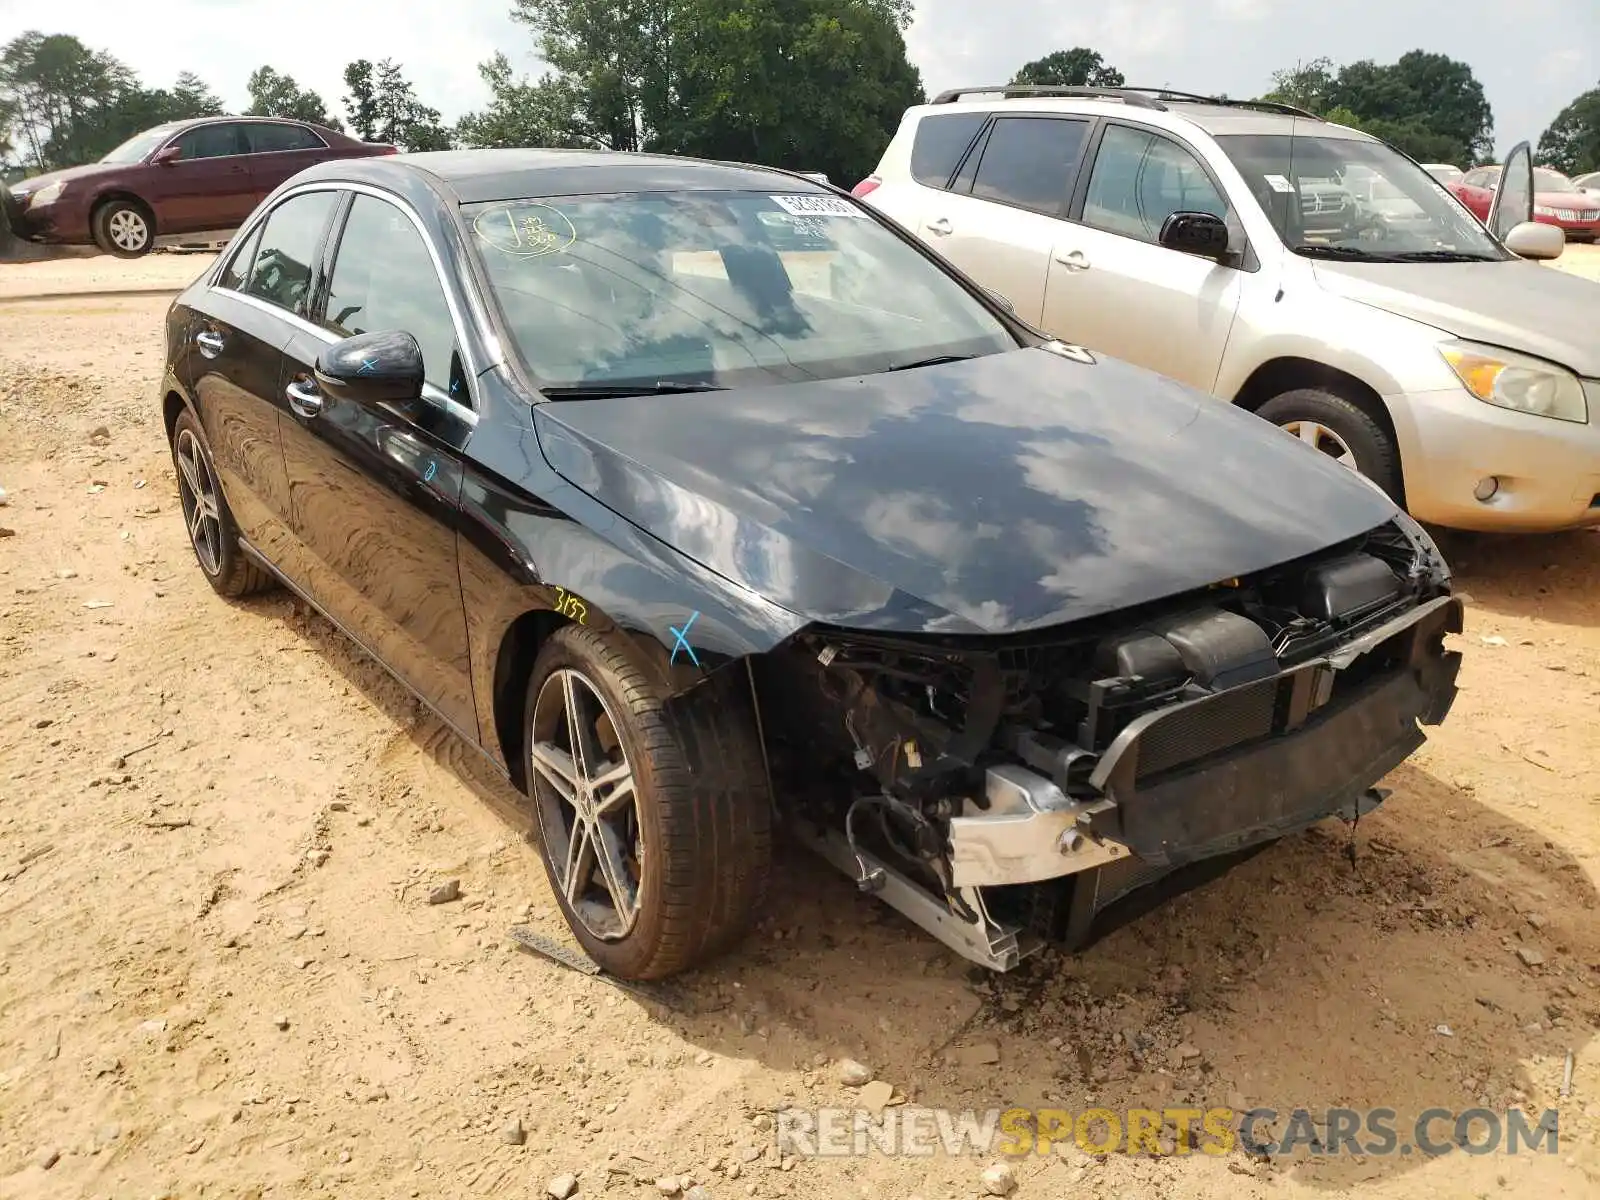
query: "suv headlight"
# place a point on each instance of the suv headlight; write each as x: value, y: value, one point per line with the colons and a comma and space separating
x: 1519, y: 382
x: 48, y: 193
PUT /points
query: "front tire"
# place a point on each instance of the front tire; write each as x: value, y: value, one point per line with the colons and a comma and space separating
x: 212, y: 533
x: 655, y: 824
x: 1340, y: 429
x: 124, y: 228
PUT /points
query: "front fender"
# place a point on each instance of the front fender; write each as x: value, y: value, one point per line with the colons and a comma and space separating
x: 570, y: 557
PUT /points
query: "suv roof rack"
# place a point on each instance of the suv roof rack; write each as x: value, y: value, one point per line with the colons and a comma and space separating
x: 1133, y: 96
x: 1137, y: 97
x: 1272, y: 106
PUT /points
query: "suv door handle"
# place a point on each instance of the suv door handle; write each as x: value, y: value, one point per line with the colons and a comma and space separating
x: 210, y: 343
x: 304, y: 397
x: 941, y: 227
x: 1074, y: 261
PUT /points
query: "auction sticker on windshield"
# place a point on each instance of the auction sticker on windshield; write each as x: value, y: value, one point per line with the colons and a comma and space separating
x: 817, y: 206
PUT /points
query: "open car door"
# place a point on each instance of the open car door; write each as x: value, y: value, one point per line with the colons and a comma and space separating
x: 1513, y: 199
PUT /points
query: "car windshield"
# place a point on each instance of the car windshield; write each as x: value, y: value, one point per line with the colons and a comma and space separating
x: 1545, y: 180
x: 1322, y: 194
x: 139, y: 145
x: 717, y: 288
x: 1444, y: 174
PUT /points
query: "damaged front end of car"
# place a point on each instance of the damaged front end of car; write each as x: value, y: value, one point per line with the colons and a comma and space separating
x: 1013, y: 791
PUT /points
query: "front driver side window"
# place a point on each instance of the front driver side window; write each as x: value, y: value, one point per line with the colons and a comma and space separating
x: 281, y: 272
x: 1140, y: 179
x: 211, y: 141
x: 384, y: 278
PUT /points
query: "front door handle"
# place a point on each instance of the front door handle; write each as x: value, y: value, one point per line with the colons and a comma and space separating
x: 210, y: 343
x: 304, y: 397
x: 1074, y: 261
x: 941, y: 227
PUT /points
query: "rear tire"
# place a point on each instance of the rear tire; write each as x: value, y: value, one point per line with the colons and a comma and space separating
x: 124, y: 228
x: 1341, y: 429
x: 213, y: 535
x: 688, y: 837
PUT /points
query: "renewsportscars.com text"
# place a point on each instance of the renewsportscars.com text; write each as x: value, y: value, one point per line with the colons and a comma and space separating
x: 917, y: 1132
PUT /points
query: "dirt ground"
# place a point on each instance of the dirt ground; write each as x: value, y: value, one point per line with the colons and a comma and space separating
x: 220, y: 976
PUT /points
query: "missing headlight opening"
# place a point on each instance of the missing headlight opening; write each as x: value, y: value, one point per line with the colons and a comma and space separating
x: 1042, y: 788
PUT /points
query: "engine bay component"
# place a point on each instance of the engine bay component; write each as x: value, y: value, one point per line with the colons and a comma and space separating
x: 1347, y: 586
x: 1219, y: 648
x: 1030, y: 831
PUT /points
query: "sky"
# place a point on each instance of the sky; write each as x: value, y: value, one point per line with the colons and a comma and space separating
x: 1532, y: 57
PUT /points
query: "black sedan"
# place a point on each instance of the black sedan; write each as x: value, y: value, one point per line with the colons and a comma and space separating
x: 703, y: 501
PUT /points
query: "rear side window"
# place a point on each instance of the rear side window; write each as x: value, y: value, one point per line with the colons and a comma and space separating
x: 264, y: 139
x: 281, y: 272
x: 1030, y: 162
x: 939, y: 143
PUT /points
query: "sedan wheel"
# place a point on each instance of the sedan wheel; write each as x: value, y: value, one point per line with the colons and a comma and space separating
x: 210, y: 525
x: 198, y: 495
x: 654, y: 818
x: 586, y: 799
x: 123, y: 228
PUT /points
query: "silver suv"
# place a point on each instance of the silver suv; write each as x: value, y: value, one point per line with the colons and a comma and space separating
x: 1301, y: 269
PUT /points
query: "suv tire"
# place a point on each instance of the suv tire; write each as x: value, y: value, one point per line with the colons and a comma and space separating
x: 1342, y: 430
x: 124, y: 228
x: 689, y: 834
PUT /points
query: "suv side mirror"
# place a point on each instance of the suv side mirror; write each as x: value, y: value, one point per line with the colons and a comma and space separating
x: 372, y: 368
x: 1534, y: 239
x: 1202, y: 234
x: 166, y: 156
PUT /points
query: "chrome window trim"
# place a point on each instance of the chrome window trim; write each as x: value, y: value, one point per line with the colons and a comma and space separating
x: 175, y: 138
x: 435, y: 395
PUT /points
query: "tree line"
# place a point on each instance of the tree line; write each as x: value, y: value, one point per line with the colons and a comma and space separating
x: 809, y: 84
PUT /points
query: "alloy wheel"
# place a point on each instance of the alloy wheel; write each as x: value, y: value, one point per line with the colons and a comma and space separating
x: 587, y: 805
x: 1324, y: 439
x: 128, y: 230
x: 197, y: 492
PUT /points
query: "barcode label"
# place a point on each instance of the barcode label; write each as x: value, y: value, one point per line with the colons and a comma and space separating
x: 817, y: 206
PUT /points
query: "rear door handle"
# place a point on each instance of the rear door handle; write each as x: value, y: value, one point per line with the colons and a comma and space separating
x: 304, y: 397
x: 941, y: 227
x: 1076, y: 260
x: 210, y: 343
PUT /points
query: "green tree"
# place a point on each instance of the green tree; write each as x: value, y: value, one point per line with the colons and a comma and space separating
x: 274, y: 94
x: 1304, y: 85
x: 807, y: 84
x: 520, y: 113
x: 1078, y: 67
x: 384, y: 108
x: 1572, y: 143
x: 191, y: 97
x: 1428, y: 105
x: 67, y: 97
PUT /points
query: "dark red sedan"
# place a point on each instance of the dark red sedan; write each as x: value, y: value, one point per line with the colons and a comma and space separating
x: 1556, y: 200
x: 187, y: 177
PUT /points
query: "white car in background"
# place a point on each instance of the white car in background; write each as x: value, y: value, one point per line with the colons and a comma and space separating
x: 1303, y: 270
x: 1589, y: 184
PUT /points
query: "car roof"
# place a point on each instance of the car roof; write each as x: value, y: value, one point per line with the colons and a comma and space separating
x: 1214, y: 116
x: 474, y: 176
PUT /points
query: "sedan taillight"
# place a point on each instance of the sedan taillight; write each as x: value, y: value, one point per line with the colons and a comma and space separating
x: 866, y: 186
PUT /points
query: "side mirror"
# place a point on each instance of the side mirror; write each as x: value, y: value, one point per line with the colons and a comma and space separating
x: 166, y: 156
x: 1533, y: 239
x: 1001, y: 299
x: 1202, y: 234
x: 372, y: 368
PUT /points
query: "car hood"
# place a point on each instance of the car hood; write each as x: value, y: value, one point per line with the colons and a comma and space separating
x: 34, y: 182
x: 999, y: 494
x: 1519, y: 305
x: 1563, y: 200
